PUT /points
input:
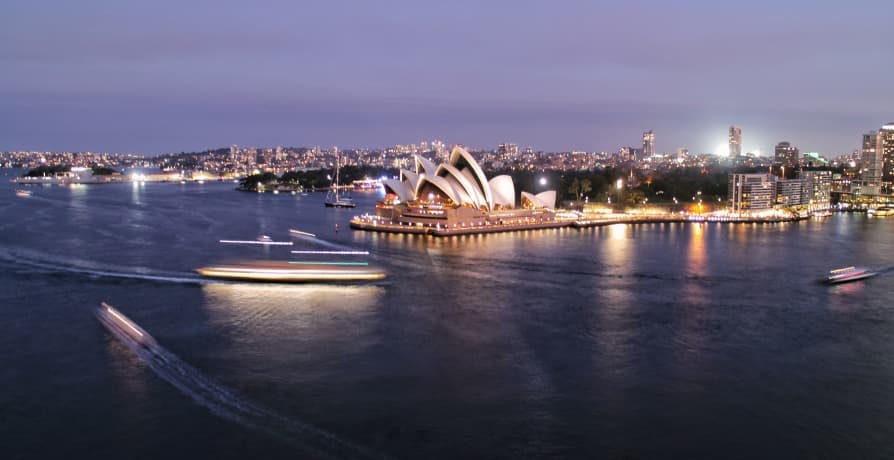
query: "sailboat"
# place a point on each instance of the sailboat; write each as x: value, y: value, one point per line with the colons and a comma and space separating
x: 333, y: 200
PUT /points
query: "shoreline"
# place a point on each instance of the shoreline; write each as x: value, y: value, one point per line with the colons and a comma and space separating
x: 368, y: 223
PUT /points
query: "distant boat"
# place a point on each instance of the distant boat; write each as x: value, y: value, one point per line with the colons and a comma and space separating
x: 848, y: 274
x: 23, y: 193
x: 333, y: 199
x: 881, y: 211
x: 366, y: 184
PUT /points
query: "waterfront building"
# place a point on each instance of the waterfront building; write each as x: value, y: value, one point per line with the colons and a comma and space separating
x: 886, y: 151
x: 648, y: 144
x: 786, y: 155
x: 792, y: 192
x: 872, y: 165
x: 819, y: 188
x: 751, y: 192
x: 735, y: 142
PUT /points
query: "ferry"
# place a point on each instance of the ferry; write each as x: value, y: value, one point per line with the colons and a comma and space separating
x: 848, y: 274
x: 881, y: 211
x: 116, y: 322
x: 293, y: 272
x: 23, y: 193
x: 366, y: 184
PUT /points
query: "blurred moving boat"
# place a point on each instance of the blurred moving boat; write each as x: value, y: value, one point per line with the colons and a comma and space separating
x: 116, y: 322
x: 23, y: 193
x: 297, y: 272
x: 848, y: 274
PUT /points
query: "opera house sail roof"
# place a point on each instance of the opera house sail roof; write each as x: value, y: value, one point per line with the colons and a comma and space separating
x: 461, y: 182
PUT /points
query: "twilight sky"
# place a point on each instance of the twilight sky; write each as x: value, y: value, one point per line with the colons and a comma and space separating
x: 160, y: 76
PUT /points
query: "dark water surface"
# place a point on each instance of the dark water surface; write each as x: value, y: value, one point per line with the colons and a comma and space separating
x: 648, y: 341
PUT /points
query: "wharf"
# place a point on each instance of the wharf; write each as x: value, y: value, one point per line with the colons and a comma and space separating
x: 390, y: 227
x: 371, y: 223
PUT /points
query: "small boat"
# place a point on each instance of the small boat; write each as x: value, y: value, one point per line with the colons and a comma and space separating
x: 116, y: 322
x: 848, y: 274
x: 265, y: 239
x: 23, y: 193
x: 299, y: 232
x: 333, y: 200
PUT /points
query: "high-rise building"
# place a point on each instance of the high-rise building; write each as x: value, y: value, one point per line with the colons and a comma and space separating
x: 507, y: 151
x: 786, y: 155
x: 872, y: 163
x: 735, y: 141
x: 648, y: 144
x: 886, y: 149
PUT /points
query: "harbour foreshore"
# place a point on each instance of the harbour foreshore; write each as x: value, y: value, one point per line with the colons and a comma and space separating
x: 378, y: 224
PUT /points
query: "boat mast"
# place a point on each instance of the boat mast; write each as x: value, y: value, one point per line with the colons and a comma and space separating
x: 336, y: 173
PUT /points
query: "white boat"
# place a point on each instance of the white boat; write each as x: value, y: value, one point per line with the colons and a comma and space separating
x: 293, y: 272
x: 117, y: 322
x: 23, y: 193
x: 848, y: 274
x: 333, y: 199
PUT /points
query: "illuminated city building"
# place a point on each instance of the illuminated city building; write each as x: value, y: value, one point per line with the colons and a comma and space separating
x: 886, y: 149
x: 735, y: 141
x: 792, y: 192
x: 819, y: 188
x: 648, y: 144
x: 751, y: 192
x: 786, y: 155
x: 872, y: 165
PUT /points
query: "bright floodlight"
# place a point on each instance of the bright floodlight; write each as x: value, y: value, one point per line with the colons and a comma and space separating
x: 722, y: 150
x: 542, y: 181
x: 619, y: 183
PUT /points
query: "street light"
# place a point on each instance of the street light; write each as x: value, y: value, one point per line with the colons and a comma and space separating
x: 619, y: 184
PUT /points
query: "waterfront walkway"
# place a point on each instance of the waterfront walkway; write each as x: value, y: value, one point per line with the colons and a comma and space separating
x: 376, y: 224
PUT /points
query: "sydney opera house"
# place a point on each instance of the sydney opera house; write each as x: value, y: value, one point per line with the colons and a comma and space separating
x: 456, y: 197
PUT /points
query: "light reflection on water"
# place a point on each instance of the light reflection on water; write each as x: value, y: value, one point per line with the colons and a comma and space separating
x: 553, y: 342
x: 271, y: 310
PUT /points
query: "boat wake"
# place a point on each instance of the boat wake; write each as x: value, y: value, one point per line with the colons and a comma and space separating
x: 223, y: 402
x: 322, y: 242
x: 42, y: 264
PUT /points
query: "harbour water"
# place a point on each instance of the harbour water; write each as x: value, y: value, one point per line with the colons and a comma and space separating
x: 628, y: 341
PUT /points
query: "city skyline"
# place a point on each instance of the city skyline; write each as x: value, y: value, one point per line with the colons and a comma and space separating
x: 560, y: 78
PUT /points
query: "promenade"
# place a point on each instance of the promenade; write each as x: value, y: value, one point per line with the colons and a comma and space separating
x: 378, y: 224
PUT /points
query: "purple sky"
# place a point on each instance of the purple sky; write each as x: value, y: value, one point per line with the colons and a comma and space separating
x: 166, y: 76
